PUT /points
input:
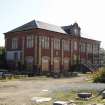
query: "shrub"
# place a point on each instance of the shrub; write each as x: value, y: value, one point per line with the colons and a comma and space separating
x: 99, y: 76
x: 2, y: 58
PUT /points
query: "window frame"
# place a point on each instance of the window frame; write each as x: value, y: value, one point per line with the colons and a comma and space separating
x: 30, y: 41
x: 57, y: 44
x: 14, y: 43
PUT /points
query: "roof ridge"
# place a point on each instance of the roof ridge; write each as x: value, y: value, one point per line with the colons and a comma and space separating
x: 24, y: 26
x: 39, y: 24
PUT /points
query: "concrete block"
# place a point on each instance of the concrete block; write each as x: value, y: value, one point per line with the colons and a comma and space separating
x: 103, y: 94
x: 61, y: 103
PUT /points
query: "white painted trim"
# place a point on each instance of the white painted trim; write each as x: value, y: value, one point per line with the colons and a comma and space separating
x: 10, y: 55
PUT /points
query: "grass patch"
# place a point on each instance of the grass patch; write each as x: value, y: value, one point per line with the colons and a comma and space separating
x: 24, y: 77
x: 72, y: 95
x: 99, y: 75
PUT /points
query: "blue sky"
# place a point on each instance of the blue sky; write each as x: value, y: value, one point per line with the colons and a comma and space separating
x: 89, y: 14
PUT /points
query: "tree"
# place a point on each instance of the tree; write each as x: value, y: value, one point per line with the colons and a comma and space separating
x: 102, y: 56
x: 2, y: 56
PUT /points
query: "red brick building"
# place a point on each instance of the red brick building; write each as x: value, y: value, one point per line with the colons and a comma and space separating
x: 43, y: 47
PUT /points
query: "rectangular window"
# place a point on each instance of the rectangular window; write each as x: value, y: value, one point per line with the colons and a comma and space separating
x: 74, y: 59
x: 66, y: 46
x: 95, y: 49
x: 83, y: 47
x: 89, y: 48
x: 14, y: 43
x: 6, y: 42
x: 15, y: 56
x: 30, y: 41
x: 57, y: 44
x: 75, y: 45
x: 45, y: 42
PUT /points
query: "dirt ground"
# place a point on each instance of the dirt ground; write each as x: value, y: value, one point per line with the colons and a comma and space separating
x: 19, y: 92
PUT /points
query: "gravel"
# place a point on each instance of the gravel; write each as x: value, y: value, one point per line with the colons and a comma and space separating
x: 80, y: 86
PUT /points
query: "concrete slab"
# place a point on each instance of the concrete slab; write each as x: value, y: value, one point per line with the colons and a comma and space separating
x: 40, y: 99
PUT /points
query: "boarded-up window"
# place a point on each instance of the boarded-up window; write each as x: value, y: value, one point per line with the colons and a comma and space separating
x: 45, y: 64
x: 66, y: 63
x: 74, y: 59
x: 29, y: 62
x: 56, y: 65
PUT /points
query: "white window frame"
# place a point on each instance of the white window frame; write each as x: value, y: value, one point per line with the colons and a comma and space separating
x: 29, y: 41
x: 14, y: 43
x: 57, y: 44
x: 66, y: 45
x: 45, y: 42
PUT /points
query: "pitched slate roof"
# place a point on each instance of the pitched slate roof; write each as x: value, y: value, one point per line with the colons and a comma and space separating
x: 38, y: 24
x: 68, y: 29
